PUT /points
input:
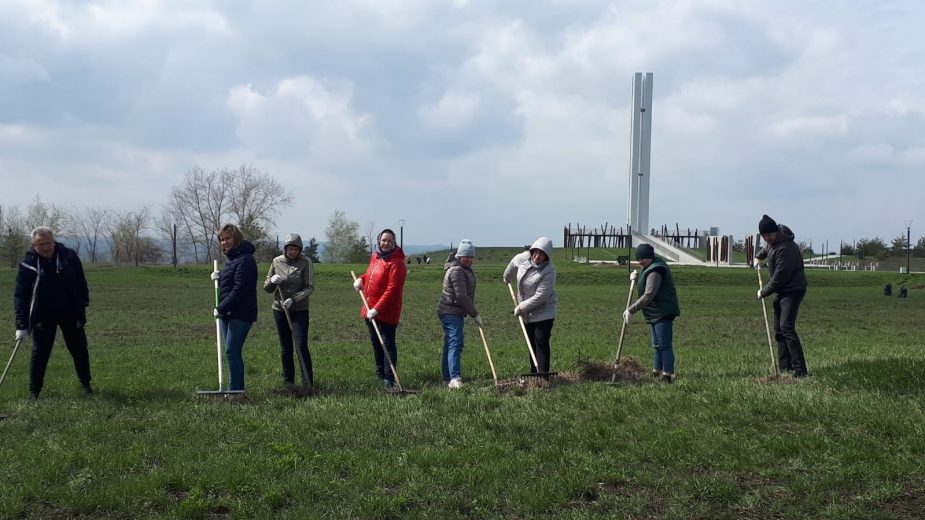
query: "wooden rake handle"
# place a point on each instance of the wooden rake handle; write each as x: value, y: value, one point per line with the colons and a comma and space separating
x: 767, y: 325
x: 379, y: 335
x: 523, y: 327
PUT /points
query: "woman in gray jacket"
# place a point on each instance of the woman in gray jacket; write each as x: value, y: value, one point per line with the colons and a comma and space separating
x: 537, y: 300
x: 292, y: 278
x: 457, y: 300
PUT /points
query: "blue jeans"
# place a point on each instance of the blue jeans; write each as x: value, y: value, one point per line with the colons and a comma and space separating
x: 291, y: 339
x: 383, y: 371
x: 453, y: 343
x: 235, y: 332
x: 662, y: 332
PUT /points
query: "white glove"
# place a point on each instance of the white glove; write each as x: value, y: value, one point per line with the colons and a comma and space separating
x: 276, y: 279
x: 478, y: 319
x: 626, y: 316
x: 287, y: 303
x: 634, y: 275
x: 357, y: 284
x: 215, y: 313
x: 760, y: 296
x: 756, y: 263
x: 215, y: 275
x: 21, y: 335
x: 372, y: 313
x: 517, y: 310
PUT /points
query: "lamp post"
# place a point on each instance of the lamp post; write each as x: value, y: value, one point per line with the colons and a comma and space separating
x: 908, y: 244
x: 401, y: 233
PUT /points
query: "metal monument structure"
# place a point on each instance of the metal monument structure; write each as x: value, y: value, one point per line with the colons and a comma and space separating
x: 641, y: 137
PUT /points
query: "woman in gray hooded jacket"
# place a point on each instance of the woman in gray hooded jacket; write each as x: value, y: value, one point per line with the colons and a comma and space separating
x: 537, y: 300
x: 292, y: 278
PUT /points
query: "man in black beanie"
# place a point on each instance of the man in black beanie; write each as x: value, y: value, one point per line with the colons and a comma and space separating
x: 658, y: 301
x: 788, y: 281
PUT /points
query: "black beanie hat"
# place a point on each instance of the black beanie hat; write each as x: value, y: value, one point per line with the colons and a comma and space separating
x: 767, y: 225
x: 644, y: 251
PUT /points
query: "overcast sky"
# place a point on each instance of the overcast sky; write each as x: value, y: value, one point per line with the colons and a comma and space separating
x: 498, y: 121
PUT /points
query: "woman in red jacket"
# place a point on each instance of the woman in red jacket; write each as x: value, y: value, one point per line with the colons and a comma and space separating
x: 383, y: 284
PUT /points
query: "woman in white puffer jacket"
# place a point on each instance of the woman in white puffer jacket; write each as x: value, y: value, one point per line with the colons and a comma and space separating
x: 537, y: 300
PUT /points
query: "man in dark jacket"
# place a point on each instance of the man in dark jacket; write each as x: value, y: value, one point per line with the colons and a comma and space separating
x: 51, y: 292
x: 788, y: 281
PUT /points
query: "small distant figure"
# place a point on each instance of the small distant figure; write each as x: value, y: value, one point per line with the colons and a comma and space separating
x: 427, y: 260
x: 409, y: 260
x: 418, y: 259
x: 903, y: 292
x: 888, y: 289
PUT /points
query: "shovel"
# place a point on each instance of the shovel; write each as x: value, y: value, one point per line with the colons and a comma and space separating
x: 523, y: 328
x: 767, y: 325
x: 308, y: 384
x: 218, y: 351
x: 400, y: 391
x: 616, y: 364
x: 7, y: 369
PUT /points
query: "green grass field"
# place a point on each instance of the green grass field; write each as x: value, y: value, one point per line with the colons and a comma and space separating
x: 848, y: 442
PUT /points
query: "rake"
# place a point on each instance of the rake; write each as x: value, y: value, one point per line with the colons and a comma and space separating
x: 523, y: 328
x: 616, y: 363
x: 218, y: 352
x: 385, y: 351
x: 7, y: 369
x: 767, y: 326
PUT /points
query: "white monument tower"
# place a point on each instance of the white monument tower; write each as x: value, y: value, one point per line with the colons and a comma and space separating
x: 641, y: 137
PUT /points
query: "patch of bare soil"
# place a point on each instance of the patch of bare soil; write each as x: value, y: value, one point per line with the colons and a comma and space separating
x: 295, y: 391
x: 781, y: 379
x: 630, y: 371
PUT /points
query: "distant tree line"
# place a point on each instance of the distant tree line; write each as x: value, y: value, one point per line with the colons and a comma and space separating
x: 194, y: 210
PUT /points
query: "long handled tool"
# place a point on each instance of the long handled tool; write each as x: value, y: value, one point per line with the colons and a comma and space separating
x: 218, y: 348
x: 7, y: 369
x: 494, y: 375
x: 385, y: 351
x: 616, y: 363
x: 306, y: 379
x: 523, y: 328
x: 767, y: 325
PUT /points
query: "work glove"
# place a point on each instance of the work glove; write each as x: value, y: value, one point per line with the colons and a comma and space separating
x: 372, y: 313
x: 215, y: 275
x: 518, y: 311
x: 760, y: 296
x: 634, y: 275
x: 357, y: 284
x: 478, y: 319
x: 627, y: 315
x: 276, y: 279
x: 756, y: 263
x: 287, y: 303
x: 215, y: 313
x: 21, y: 335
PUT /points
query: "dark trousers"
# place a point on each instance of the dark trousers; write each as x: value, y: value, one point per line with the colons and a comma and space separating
x: 43, y: 339
x: 388, y: 336
x: 789, y: 348
x: 540, y: 332
x: 291, y: 339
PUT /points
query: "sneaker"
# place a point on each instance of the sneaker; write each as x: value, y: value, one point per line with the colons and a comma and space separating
x: 455, y: 383
x: 88, y: 390
x: 656, y: 374
x: 667, y: 378
x: 388, y: 384
x: 33, y: 397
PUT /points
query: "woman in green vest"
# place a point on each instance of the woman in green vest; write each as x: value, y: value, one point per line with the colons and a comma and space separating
x: 658, y: 301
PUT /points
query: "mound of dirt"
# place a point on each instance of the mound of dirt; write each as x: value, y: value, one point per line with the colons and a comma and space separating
x: 630, y: 370
x: 782, y: 379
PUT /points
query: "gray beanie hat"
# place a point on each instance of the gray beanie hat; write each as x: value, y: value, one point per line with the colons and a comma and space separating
x: 465, y: 248
x: 293, y: 239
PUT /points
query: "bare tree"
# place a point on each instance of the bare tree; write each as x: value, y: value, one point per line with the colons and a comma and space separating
x: 40, y: 213
x: 370, y: 234
x: 89, y: 227
x: 125, y: 234
x: 342, y: 238
x: 13, y: 234
x: 205, y: 201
